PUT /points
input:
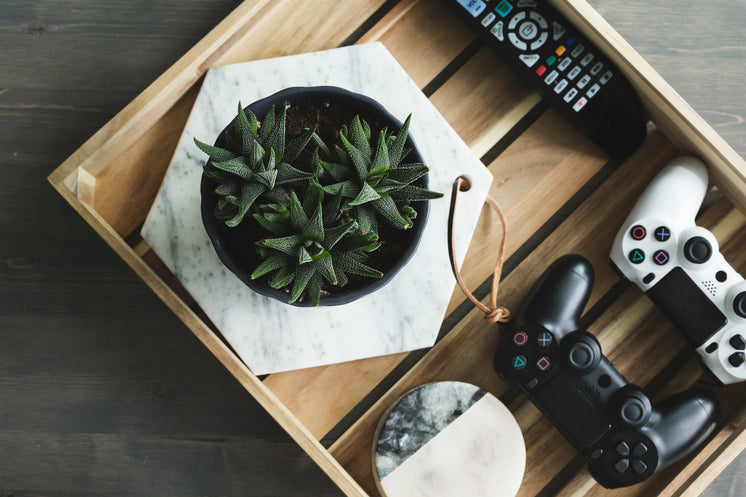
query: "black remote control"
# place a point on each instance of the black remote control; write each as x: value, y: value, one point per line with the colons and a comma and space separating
x: 564, y: 66
x: 563, y: 371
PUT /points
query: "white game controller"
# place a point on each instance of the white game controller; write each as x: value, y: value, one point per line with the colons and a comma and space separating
x: 679, y: 266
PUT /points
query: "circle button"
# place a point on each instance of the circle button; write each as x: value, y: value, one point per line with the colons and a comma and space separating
x: 520, y: 338
x: 698, y: 250
x: 637, y: 232
x: 662, y: 233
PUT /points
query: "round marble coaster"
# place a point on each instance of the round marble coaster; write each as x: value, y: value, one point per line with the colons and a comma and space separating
x: 448, y: 439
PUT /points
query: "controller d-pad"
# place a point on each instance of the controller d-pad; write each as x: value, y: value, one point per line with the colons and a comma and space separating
x: 640, y: 450
x: 739, y: 304
x: 737, y: 359
x: 622, y: 449
x: 639, y: 466
x: 622, y: 465
x: 738, y: 342
x: 698, y: 250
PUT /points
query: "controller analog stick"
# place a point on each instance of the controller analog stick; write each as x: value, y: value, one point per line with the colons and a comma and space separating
x: 739, y: 304
x: 633, y: 412
x: 581, y: 356
x: 698, y: 250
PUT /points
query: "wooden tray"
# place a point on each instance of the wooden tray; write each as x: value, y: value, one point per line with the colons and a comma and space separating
x: 560, y: 192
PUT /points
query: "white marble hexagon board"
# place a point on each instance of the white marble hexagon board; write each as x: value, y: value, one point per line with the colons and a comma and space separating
x: 271, y: 336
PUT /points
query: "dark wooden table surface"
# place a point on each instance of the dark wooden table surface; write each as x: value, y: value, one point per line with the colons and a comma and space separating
x: 103, y: 391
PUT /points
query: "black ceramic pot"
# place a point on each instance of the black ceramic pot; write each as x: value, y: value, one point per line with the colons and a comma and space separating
x: 236, y: 253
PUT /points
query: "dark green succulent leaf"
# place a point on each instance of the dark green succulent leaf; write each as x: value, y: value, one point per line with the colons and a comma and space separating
x: 386, y: 186
x: 366, y: 129
x: 340, y: 156
x: 335, y: 234
x: 303, y: 256
x: 323, y: 264
x: 249, y: 193
x: 367, y: 194
x: 332, y: 209
x: 276, y: 138
x: 315, y: 227
x: 274, y: 261
x: 380, y: 164
x: 282, y: 277
x: 228, y: 188
x: 406, y: 173
x: 313, y: 289
x: 297, y: 144
x: 337, y: 171
x: 366, y: 218
x: 257, y: 155
x: 303, y: 276
x: 217, y: 154
x: 314, y: 195
x: 244, y: 133
x: 396, y: 150
x: 387, y: 208
x: 236, y: 166
x: 271, y: 225
x: 298, y: 217
x: 348, y: 188
x: 321, y: 146
x: 266, y: 178
x: 226, y: 212
x: 216, y: 174
x: 267, y: 124
x: 286, y: 244
x: 357, y: 158
x: 287, y: 174
x: 222, y: 203
x: 353, y: 266
x: 367, y: 242
x: 231, y: 143
x: 411, y: 193
x: 358, y: 138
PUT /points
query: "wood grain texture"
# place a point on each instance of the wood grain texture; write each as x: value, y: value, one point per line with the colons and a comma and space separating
x: 102, y: 390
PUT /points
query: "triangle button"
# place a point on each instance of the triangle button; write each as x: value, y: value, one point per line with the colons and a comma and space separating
x: 636, y: 256
x: 519, y: 362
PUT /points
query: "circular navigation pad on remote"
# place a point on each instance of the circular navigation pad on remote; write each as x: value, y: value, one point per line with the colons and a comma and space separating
x: 528, y: 30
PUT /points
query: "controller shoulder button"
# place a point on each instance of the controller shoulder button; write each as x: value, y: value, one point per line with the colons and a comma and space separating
x: 698, y: 250
x: 639, y: 466
x: 738, y: 342
x: 737, y: 359
x: 622, y: 449
x: 622, y: 465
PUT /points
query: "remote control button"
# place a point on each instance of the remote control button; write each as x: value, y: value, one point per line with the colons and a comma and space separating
x: 560, y: 50
x: 739, y: 304
x: 698, y: 250
x: 592, y: 91
x: 520, y: 338
x: 571, y: 93
x: 488, y: 19
x: 584, y: 81
x: 530, y: 59
x: 539, y: 19
x: 517, y: 43
x: 738, y: 342
x: 622, y: 449
x: 516, y: 19
x: 721, y: 276
x: 540, y: 42
x: 596, y: 454
x: 564, y: 64
x: 606, y: 77
x: 474, y: 7
x: 579, y: 104
x: 541, y: 70
x: 711, y: 348
x: 648, y: 278
x: 639, y: 467
x: 569, y: 41
x: 586, y: 60
x: 581, y: 356
x: 551, y: 78
x: 638, y: 232
x: 558, y: 31
x: 574, y: 72
x: 519, y: 362
x: 622, y: 465
x: 661, y: 257
x: 551, y: 60
x: 526, y: 3
x: 737, y: 359
x: 498, y: 30
x: 503, y: 8
x: 532, y: 383
x: 640, y: 450
x: 577, y: 51
x: 662, y: 233
x: 543, y: 363
x: 636, y: 256
x: 632, y: 411
x: 544, y: 339
x: 597, y: 68
x: 528, y: 31
x: 560, y: 86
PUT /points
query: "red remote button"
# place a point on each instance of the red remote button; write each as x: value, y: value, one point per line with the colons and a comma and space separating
x: 520, y: 338
x: 541, y: 70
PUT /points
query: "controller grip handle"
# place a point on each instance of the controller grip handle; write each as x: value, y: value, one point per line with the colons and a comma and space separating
x: 682, y: 422
x: 558, y: 298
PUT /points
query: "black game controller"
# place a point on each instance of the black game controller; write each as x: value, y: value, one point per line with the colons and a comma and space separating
x: 563, y: 371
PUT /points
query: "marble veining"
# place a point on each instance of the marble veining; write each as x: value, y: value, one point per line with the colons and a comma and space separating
x: 474, y: 445
x: 269, y: 335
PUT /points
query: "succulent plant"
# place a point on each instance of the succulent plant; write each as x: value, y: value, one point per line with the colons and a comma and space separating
x: 371, y: 179
x: 256, y: 160
x: 317, y: 206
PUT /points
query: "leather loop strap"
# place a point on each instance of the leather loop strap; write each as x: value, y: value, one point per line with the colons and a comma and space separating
x: 494, y: 313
